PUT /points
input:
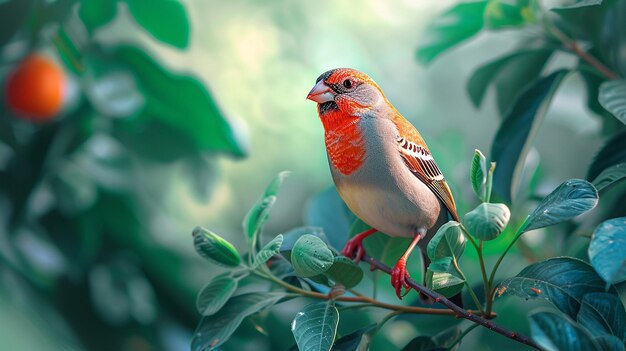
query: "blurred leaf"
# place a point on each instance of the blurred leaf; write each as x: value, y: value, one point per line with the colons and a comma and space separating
x: 449, y: 241
x: 487, y: 220
x: 456, y: 25
x: 612, y: 153
x: 74, y: 190
x: 500, y: 14
x: 255, y: 220
x: 478, y: 175
x: 442, y: 277
x: 214, y: 248
x: 612, y: 97
x: 593, y: 81
x: 420, y: 343
x: 572, y: 198
x: 270, y: 249
x: 315, y: 326
x: 553, y: 332
x: 345, y: 272
x: 610, y: 176
x: 445, y: 338
x: 215, y: 294
x: 516, y: 133
x: 202, y: 175
x: 326, y: 209
x: 609, y: 343
x: 215, y: 330
x: 354, y: 340
x: 166, y: 20
x: 310, y: 256
x: 97, y: 13
x: 13, y: 13
x: 514, y: 70
x: 191, y: 110
x: 379, y: 245
x: 573, y: 4
x: 607, y: 250
x: 603, y: 313
x: 563, y: 281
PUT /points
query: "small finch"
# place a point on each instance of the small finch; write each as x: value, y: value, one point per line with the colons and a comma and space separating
x: 381, y: 166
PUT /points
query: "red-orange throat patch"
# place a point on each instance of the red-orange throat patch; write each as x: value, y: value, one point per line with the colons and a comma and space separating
x: 344, y: 141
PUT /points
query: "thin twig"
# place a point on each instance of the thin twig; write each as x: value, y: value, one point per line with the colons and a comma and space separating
x: 458, y: 311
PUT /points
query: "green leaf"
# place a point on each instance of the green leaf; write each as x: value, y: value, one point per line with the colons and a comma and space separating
x: 516, y: 133
x: 603, y: 313
x: 215, y: 330
x: 610, y: 176
x: 487, y: 220
x: 574, y: 4
x: 270, y: 249
x: 500, y: 14
x: 562, y: 280
x: 607, y: 250
x: 291, y: 237
x: 310, y: 256
x: 166, y: 20
x: 345, y: 272
x: 354, y: 341
x: 13, y: 13
x: 442, y: 277
x: 420, y: 343
x: 449, y: 241
x: 97, y: 13
x: 385, y: 248
x: 259, y: 214
x: 612, y: 153
x: 215, y: 294
x: 572, y: 198
x: 453, y: 27
x: 478, y: 174
x: 609, y: 343
x: 191, y: 111
x: 214, y: 248
x: 553, y: 332
x: 315, y: 327
x: 612, y: 97
x: 510, y: 73
x: 445, y: 338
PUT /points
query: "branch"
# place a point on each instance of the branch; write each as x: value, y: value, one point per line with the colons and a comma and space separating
x: 459, y: 312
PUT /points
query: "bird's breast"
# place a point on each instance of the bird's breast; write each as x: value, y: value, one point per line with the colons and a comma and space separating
x: 345, y: 145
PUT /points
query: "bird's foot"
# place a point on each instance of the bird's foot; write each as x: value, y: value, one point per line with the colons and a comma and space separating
x: 356, y: 243
x: 399, y: 276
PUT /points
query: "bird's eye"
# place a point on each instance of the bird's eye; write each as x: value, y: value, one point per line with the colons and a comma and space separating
x: 347, y: 84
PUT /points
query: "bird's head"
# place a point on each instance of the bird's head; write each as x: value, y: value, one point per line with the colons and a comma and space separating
x: 346, y: 90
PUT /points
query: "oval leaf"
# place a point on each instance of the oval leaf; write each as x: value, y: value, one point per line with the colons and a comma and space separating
x: 215, y: 330
x: 554, y: 332
x: 607, y: 250
x: 613, y: 98
x: 442, y: 277
x: 420, y: 343
x: 487, y: 220
x: 214, y: 295
x: 449, y: 241
x: 214, y: 248
x: 270, y: 249
x: 315, y: 327
x: 603, y: 313
x: 516, y: 133
x: 310, y: 256
x: 610, y: 176
x: 612, y: 153
x: 562, y: 280
x: 166, y: 20
x: 451, y: 28
x: 572, y: 198
x: 478, y: 173
x: 345, y: 272
x: 355, y: 340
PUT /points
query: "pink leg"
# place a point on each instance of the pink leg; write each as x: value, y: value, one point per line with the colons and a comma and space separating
x: 357, y: 243
x: 399, y: 273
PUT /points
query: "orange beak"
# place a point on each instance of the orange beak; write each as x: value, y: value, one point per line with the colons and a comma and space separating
x: 321, y: 93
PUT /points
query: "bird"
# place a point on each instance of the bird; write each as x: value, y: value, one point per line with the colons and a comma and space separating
x: 381, y: 166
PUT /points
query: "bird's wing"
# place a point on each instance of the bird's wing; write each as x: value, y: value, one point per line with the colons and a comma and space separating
x: 420, y: 161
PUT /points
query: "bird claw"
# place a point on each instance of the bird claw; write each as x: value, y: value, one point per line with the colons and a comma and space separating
x: 399, y: 277
x: 355, y: 243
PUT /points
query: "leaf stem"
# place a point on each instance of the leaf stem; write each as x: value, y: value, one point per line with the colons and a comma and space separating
x: 469, y: 288
x: 483, y: 272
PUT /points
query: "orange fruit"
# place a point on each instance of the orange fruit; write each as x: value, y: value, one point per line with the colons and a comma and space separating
x: 35, y: 90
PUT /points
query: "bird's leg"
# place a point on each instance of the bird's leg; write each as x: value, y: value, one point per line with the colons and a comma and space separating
x: 399, y: 272
x: 357, y: 243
